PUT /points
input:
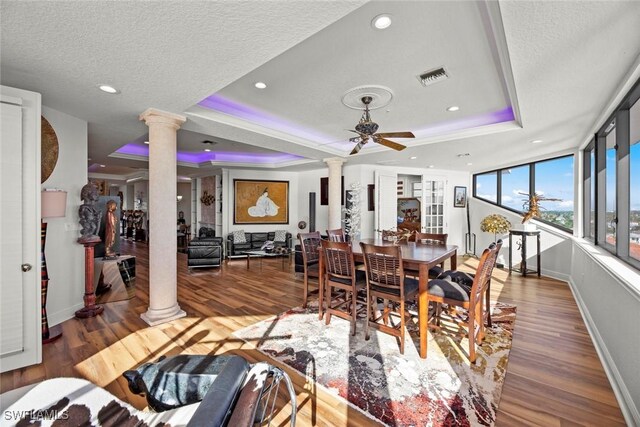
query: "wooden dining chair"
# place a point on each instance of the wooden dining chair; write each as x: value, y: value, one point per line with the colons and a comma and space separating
x: 464, y: 278
x: 429, y: 239
x: 471, y: 298
x: 336, y: 235
x: 386, y: 280
x: 341, y: 275
x: 309, y: 244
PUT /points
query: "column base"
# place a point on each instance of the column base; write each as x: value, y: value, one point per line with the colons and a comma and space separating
x: 157, y: 317
x: 89, y: 311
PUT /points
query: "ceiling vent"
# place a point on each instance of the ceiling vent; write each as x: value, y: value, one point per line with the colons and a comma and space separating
x: 433, y: 76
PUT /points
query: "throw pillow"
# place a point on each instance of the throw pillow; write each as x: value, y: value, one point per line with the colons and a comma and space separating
x: 239, y: 237
x: 280, y: 236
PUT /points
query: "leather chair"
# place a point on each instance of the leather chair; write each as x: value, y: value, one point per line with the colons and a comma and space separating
x: 204, y: 252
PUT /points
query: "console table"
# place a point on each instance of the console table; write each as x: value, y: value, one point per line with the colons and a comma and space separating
x: 523, y: 250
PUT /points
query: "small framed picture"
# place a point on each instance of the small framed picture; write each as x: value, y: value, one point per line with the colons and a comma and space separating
x: 459, y: 197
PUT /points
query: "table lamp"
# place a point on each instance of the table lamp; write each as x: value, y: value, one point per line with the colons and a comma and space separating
x: 53, y: 205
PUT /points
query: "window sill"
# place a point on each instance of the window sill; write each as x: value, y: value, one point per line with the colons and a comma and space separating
x: 628, y: 276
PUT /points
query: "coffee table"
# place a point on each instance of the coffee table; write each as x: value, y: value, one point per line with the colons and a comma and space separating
x: 264, y: 254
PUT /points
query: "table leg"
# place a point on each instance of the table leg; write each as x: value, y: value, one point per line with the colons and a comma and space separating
x: 539, y: 266
x: 248, y: 258
x: 321, y: 286
x: 423, y: 308
x: 524, y: 255
x: 454, y: 261
x: 510, y: 248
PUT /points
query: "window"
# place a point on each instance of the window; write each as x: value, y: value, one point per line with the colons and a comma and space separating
x: 617, y: 181
x: 589, y: 190
x: 486, y: 186
x: 634, y: 182
x: 515, y: 187
x: 610, y: 188
x: 553, y: 179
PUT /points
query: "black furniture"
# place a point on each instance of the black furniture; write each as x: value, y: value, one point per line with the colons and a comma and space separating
x: 254, y: 242
x: 523, y: 250
x: 231, y: 391
x: 204, y: 252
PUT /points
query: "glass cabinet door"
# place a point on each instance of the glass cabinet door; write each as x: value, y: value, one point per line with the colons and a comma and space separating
x: 434, y: 205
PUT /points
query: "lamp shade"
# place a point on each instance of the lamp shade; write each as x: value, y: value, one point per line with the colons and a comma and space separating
x: 54, y: 204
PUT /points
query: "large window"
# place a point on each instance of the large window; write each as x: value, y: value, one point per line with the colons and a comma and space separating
x: 515, y: 187
x: 617, y: 181
x: 589, y: 190
x: 553, y: 180
x: 486, y: 186
x: 634, y: 181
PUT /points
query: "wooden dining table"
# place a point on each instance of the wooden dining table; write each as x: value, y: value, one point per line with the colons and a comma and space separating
x: 415, y: 256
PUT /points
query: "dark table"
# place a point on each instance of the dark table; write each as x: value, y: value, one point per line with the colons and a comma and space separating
x: 523, y: 250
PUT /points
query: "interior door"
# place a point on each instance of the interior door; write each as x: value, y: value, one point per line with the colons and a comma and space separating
x: 386, y: 209
x: 20, y: 315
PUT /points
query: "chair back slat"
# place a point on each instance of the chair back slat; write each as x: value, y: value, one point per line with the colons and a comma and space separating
x: 383, y: 265
x: 309, y: 243
x: 336, y: 235
x: 483, y: 273
x: 338, y: 259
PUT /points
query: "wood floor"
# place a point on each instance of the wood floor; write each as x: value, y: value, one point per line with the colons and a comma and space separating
x: 554, y: 377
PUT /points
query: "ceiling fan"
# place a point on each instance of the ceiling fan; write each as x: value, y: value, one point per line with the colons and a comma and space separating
x: 366, y: 129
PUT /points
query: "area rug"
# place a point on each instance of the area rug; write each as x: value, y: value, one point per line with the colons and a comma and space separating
x: 398, y: 390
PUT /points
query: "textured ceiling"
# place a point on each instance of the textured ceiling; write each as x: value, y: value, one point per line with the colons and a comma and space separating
x: 566, y: 60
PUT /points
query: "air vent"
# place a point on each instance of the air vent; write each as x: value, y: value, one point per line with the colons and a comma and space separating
x: 433, y: 76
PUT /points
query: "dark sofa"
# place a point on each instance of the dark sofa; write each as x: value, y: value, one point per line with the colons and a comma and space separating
x: 254, y: 242
x: 204, y: 252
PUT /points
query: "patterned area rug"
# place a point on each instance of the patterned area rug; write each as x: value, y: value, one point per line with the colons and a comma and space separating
x: 399, y: 390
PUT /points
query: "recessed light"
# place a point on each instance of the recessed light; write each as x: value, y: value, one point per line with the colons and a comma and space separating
x: 260, y: 85
x: 464, y: 155
x: 413, y: 157
x: 453, y: 108
x: 536, y: 141
x: 108, y: 89
x: 431, y: 166
x: 207, y: 149
x: 146, y: 142
x: 469, y: 164
x: 381, y: 22
x: 103, y: 166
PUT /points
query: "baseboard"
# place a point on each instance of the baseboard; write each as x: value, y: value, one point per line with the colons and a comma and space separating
x: 63, y: 315
x: 556, y: 275
x: 627, y: 406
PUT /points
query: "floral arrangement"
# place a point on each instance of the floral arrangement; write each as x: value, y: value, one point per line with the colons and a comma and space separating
x: 352, y: 214
x: 495, y: 224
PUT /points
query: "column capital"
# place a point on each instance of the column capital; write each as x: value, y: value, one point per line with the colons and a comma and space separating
x: 334, y: 161
x: 152, y: 115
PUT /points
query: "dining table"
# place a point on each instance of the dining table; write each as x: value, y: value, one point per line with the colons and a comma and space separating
x: 416, y: 256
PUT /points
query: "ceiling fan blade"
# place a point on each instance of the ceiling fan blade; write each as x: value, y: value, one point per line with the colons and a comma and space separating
x: 356, y: 148
x: 396, y: 135
x: 390, y: 144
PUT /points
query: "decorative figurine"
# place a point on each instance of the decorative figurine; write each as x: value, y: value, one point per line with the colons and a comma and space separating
x: 110, y: 230
x: 89, y: 215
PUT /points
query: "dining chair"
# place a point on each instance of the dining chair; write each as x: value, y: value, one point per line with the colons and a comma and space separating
x: 309, y: 244
x: 429, y: 239
x: 470, y: 298
x: 336, y: 235
x: 464, y: 278
x: 341, y: 275
x: 386, y: 280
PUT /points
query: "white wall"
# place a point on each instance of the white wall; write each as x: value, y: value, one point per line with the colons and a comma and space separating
x: 228, y: 175
x: 65, y: 257
x: 610, y: 306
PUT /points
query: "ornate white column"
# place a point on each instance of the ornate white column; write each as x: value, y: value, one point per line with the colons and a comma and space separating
x: 163, y: 286
x: 335, y: 190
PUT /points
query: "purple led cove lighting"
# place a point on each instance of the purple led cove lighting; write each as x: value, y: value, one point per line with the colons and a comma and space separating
x: 229, y: 157
x: 235, y: 109
x: 449, y: 126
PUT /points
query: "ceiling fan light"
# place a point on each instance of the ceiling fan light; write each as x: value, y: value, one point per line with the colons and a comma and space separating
x: 381, y: 22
